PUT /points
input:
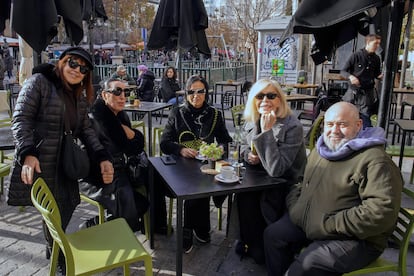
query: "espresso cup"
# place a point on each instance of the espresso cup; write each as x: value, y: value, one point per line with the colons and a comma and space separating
x: 227, y: 172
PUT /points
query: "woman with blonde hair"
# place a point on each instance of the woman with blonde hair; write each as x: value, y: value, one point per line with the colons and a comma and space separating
x: 275, y: 144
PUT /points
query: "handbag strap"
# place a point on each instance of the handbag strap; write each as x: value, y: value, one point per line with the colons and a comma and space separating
x: 67, y: 124
x: 186, y: 132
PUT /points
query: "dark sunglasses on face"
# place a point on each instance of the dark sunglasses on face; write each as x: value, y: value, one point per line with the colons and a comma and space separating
x: 270, y: 96
x: 74, y: 64
x: 117, y: 91
x: 199, y: 91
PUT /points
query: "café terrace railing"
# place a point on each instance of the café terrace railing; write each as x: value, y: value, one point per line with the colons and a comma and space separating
x: 211, y: 71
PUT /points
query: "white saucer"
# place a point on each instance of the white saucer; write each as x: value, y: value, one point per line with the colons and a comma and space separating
x: 220, y: 178
x: 200, y: 157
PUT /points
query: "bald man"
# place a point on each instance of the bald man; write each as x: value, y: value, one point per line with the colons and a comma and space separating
x: 346, y: 206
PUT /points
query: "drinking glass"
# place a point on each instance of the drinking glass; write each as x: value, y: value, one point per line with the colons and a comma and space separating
x: 233, y: 153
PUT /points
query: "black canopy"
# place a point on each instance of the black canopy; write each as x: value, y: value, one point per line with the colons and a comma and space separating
x: 180, y: 23
x: 332, y: 22
x: 36, y: 20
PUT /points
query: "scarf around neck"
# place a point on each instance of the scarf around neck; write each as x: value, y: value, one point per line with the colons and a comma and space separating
x: 369, y: 137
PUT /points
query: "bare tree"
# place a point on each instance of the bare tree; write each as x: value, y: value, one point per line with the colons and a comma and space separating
x: 248, y: 13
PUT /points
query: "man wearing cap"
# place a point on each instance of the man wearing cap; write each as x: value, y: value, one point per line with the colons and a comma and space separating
x: 121, y: 74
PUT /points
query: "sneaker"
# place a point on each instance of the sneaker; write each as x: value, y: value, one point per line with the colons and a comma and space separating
x: 202, y: 237
x: 241, y: 249
x: 89, y: 223
x: 187, y: 240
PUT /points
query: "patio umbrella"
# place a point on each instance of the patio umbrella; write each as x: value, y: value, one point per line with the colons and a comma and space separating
x: 26, y: 61
x: 332, y: 23
x: 181, y: 24
x: 36, y: 21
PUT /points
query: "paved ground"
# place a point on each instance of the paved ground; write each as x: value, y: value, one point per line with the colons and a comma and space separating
x: 22, y: 250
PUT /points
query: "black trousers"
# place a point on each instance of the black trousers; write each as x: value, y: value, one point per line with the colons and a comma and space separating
x: 284, y: 241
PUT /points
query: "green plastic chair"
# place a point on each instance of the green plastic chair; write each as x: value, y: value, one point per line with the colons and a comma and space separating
x: 4, y: 171
x: 96, y: 249
x: 101, y: 210
x: 315, y: 132
x: 401, y: 237
x: 236, y: 111
x: 394, y: 150
x: 140, y: 124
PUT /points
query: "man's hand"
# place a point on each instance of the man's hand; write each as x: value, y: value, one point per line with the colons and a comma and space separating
x: 107, y: 171
x: 31, y: 164
x: 354, y: 80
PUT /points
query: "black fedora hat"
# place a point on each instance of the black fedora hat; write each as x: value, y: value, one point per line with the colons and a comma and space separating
x: 79, y: 51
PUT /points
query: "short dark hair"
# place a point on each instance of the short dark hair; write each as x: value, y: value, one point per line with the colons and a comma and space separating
x: 372, y: 37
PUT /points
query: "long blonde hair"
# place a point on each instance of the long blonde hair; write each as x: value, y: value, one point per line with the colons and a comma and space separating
x: 252, y: 114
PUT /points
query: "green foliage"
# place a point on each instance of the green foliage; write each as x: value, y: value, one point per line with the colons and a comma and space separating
x: 211, y: 151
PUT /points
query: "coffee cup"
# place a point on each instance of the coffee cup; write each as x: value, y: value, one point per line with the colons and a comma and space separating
x: 227, y: 172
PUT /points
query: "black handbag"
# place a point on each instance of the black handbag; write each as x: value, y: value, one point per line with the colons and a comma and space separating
x: 137, y: 166
x: 75, y: 159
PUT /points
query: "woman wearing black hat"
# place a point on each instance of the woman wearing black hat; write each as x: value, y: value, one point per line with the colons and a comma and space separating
x: 194, y: 120
x: 51, y: 95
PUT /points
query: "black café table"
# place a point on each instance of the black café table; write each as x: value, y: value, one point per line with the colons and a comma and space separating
x: 186, y: 181
x: 6, y: 139
x: 407, y: 126
x: 149, y: 108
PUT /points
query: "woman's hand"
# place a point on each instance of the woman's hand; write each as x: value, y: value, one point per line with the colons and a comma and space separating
x: 188, y: 153
x: 107, y: 171
x: 31, y: 163
x: 267, y: 120
x: 253, y: 159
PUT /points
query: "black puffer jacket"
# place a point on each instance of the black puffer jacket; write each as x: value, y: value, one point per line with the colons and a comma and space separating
x: 38, y: 130
x: 146, y: 86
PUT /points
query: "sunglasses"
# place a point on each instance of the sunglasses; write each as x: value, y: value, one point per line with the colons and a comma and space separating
x: 270, y: 96
x: 117, y: 91
x: 200, y: 91
x: 74, y: 64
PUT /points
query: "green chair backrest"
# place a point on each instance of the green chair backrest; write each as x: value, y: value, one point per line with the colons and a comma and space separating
x: 401, y: 237
x: 315, y: 132
x: 45, y: 203
x: 236, y: 111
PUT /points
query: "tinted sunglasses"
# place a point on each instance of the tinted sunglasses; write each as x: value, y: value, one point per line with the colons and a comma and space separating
x: 200, y: 91
x: 117, y: 91
x: 270, y: 96
x: 74, y: 64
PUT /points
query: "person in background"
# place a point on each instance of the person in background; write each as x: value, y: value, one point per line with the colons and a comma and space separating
x: 145, y: 84
x: 205, y: 123
x: 113, y: 127
x: 121, y: 74
x: 340, y: 216
x: 8, y: 63
x: 52, y: 94
x: 361, y: 69
x: 169, y: 86
x: 275, y: 145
